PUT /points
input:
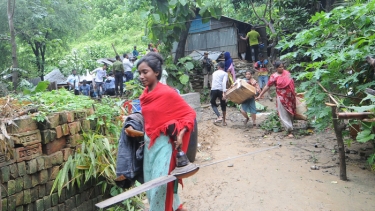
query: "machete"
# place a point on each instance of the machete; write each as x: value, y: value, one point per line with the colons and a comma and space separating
x: 163, y: 180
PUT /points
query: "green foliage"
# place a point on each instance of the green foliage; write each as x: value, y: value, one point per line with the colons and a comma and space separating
x: 94, y: 159
x: 334, y: 52
x: 135, y: 88
x: 272, y: 121
x: 41, y: 87
x: 178, y: 74
x: 135, y: 203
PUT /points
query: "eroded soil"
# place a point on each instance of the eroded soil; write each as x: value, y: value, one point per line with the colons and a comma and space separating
x: 278, y: 179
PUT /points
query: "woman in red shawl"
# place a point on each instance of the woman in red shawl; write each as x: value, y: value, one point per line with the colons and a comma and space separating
x: 162, y: 108
x: 286, y: 96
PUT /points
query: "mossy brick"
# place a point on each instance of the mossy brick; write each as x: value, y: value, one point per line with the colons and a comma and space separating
x: 100, y: 198
x: 43, y: 176
x: 62, y: 196
x: 73, y: 140
x: 47, y: 201
x: 85, y: 125
x: 34, y: 192
x: 80, y: 114
x: 8, y: 158
x: 31, y: 166
x: 56, y: 158
x: 61, y: 207
x: 52, y: 122
x: 69, y: 116
x: 59, y: 132
x: 27, y: 181
x: 78, y: 199
x: 75, y: 209
x: 42, y: 191
x: 40, y: 163
x: 20, y: 208
x: 47, y: 162
x: 27, y: 196
x: 13, y: 171
x: 19, y: 199
x: 74, y: 127
x: 27, y: 138
x: 65, y: 129
x: 54, y: 146
x: 4, y: 174
x: 28, y: 207
x: 22, y: 124
x: 70, y: 204
x: 66, y: 153
x: 34, y: 180
x: 19, y: 184
x: 21, y: 168
x: 12, y: 202
x: 54, y: 199
x: 39, y: 205
x: 4, y: 204
x: 94, y: 201
x: 71, y: 191
x: 49, y: 186
x: 53, y: 209
x: 28, y: 152
x: 53, y: 172
x: 48, y: 135
x: 11, y: 187
x: 4, y: 190
x: 63, y: 118
x: 93, y: 124
x: 90, y: 111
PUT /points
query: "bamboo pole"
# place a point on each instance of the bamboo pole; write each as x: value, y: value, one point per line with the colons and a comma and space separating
x: 338, y: 128
x: 354, y: 115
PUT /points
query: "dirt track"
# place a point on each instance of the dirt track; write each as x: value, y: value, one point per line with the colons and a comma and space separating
x: 278, y: 179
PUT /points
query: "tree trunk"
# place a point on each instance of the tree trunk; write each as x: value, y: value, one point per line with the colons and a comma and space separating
x: 180, y: 51
x: 10, y: 11
x: 340, y: 142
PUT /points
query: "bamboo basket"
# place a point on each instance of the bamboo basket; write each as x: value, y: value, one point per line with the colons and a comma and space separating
x: 240, y: 92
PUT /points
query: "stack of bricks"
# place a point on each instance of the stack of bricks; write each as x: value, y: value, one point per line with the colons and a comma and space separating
x: 38, y: 151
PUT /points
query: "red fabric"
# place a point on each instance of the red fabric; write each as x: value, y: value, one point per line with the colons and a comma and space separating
x: 285, y: 90
x: 162, y: 107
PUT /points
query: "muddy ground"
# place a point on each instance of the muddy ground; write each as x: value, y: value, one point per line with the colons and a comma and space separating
x: 277, y: 179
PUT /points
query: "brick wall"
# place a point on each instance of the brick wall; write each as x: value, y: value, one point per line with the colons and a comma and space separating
x: 38, y: 151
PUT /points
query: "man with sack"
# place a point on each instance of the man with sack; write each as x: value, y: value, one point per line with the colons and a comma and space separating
x: 207, y: 70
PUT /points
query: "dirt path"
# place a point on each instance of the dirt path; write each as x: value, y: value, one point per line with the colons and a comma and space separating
x: 278, y: 179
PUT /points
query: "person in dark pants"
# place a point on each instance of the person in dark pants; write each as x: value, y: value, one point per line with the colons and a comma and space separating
x: 219, y: 82
x: 254, y: 41
x: 118, y: 71
x: 127, y: 67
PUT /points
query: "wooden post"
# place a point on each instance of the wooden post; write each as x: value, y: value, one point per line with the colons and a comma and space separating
x: 340, y: 142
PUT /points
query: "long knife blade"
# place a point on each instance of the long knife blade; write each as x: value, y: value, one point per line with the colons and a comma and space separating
x: 137, y: 190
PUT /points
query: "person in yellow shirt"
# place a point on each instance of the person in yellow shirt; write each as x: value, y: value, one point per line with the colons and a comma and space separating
x: 254, y: 41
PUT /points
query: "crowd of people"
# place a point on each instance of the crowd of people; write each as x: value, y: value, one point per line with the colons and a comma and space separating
x: 224, y: 77
x: 107, y: 82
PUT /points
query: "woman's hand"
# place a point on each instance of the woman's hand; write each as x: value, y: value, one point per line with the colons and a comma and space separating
x: 259, y: 97
x: 178, y: 141
x: 224, y: 97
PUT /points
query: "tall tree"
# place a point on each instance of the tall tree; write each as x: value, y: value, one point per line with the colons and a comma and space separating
x: 10, y: 11
x: 47, y: 23
x: 169, y: 21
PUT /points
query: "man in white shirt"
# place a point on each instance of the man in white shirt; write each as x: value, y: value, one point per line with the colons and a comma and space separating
x: 218, y: 88
x: 127, y: 67
x: 73, y: 82
x: 101, y: 73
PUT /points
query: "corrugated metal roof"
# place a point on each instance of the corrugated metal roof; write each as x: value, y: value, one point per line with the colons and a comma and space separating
x: 198, y: 55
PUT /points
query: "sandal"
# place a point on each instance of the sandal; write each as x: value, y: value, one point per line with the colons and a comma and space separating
x: 225, y: 124
x: 290, y: 136
x: 218, y: 120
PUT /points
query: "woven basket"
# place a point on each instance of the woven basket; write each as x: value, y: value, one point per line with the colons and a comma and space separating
x: 240, y: 92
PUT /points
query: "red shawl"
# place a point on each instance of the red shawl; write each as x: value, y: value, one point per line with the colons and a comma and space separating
x: 162, y: 107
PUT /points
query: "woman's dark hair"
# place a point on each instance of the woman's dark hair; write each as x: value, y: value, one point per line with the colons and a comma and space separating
x: 221, y: 64
x: 277, y: 64
x: 260, y: 56
x: 154, y: 61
